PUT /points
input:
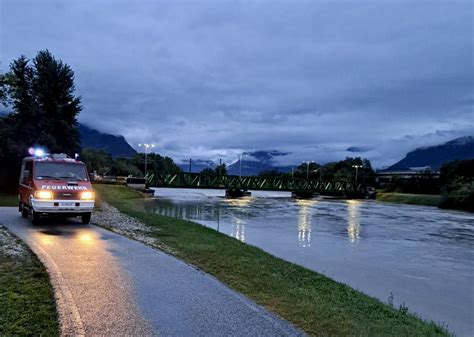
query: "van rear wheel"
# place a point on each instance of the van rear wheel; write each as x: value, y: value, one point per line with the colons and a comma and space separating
x: 86, y: 218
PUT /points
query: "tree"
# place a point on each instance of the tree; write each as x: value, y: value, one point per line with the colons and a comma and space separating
x: 208, y: 172
x: 97, y: 160
x: 221, y: 170
x: 457, y: 185
x: 273, y: 173
x: 53, y: 89
x: 155, y: 163
x: 41, y: 96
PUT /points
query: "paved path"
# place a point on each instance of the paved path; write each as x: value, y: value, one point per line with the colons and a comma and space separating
x: 107, y: 284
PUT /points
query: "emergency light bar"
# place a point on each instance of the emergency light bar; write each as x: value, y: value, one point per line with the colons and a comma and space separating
x: 39, y: 153
x: 36, y: 152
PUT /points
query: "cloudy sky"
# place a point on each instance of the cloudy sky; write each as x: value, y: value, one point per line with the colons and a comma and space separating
x: 210, y: 79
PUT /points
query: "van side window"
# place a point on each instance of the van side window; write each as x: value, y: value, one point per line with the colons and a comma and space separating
x: 28, y: 172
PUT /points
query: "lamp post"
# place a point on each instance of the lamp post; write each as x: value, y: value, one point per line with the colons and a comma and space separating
x: 357, y: 167
x: 307, y: 167
x: 146, y: 146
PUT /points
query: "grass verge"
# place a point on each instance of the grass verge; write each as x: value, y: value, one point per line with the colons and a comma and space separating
x: 411, y: 199
x: 313, y: 302
x: 8, y: 199
x: 27, y: 306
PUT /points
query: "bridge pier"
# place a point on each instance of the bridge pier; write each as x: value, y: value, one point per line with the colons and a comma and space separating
x: 237, y: 193
x: 302, y: 194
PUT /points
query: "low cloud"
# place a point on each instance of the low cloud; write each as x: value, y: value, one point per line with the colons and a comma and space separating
x: 212, y: 80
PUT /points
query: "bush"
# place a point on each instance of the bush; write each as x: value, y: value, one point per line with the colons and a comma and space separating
x: 459, y: 194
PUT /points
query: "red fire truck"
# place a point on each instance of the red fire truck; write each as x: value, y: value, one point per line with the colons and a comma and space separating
x: 55, y: 184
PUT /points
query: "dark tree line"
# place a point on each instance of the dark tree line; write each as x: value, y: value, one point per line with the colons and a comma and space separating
x: 103, y: 163
x: 219, y: 171
x: 40, y: 95
x: 457, y: 185
x: 342, y: 170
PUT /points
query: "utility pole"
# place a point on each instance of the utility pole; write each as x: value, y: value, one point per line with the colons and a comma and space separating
x: 146, y: 146
x: 220, y: 167
x: 307, y: 168
x: 189, y: 165
x: 240, y: 164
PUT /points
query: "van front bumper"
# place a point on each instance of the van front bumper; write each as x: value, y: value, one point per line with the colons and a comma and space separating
x: 62, y: 206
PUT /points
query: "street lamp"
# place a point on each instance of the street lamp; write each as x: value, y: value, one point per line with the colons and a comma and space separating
x: 146, y: 146
x: 307, y: 167
x: 357, y: 167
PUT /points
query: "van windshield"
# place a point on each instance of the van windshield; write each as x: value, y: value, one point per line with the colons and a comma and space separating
x: 60, y: 171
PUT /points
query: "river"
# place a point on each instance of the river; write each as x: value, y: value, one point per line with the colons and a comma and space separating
x: 419, y: 257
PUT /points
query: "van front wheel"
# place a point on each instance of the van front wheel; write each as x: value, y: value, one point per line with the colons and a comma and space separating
x: 35, y: 217
x: 86, y: 218
x: 24, y: 211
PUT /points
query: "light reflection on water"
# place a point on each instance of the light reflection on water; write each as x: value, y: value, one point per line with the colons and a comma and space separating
x: 304, y: 222
x: 353, y: 220
x: 422, y: 255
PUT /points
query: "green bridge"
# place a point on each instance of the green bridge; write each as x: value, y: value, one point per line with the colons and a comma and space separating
x: 300, y: 186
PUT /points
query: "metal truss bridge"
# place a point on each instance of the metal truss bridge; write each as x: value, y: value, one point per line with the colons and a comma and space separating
x: 301, y: 185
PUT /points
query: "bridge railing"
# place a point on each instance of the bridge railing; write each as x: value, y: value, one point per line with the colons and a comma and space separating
x: 197, y: 180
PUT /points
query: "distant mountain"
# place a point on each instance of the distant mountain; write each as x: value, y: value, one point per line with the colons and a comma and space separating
x: 197, y: 165
x: 252, y: 164
x: 253, y: 168
x: 117, y: 146
x: 435, y: 156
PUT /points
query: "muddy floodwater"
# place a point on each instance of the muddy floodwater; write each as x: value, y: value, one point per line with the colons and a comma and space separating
x: 419, y: 257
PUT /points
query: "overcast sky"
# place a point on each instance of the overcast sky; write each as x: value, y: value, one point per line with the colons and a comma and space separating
x: 210, y: 79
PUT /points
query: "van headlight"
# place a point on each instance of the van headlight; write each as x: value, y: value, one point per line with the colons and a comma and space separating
x: 46, y: 195
x: 87, y: 195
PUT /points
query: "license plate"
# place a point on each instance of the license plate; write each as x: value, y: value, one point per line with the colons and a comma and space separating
x: 67, y: 204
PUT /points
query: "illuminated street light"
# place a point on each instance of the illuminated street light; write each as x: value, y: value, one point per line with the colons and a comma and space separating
x: 146, y: 146
x: 357, y: 167
x: 307, y: 167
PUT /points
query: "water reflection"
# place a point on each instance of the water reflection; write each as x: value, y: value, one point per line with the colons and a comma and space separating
x: 239, y: 205
x: 238, y: 230
x: 239, y: 202
x: 353, y: 220
x: 304, y: 222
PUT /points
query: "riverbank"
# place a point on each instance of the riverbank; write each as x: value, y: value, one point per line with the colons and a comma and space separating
x: 410, y: 199
x: 311, y: 301
x: 27, y: 305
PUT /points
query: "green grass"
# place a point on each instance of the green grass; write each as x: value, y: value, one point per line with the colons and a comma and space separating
x: 311, y: 301
x: 411, y: 199
x: 27, y: 306
x: 8, y: 199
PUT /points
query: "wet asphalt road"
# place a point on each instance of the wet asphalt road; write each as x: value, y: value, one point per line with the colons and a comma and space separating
x: 107, y: 284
